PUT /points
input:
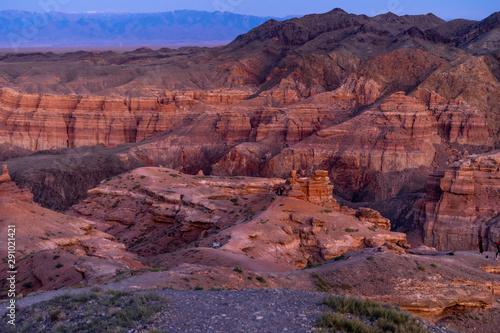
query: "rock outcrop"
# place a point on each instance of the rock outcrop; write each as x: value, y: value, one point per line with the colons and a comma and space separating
x: 462, y: 205
x: 316, y: 189
x: 9, y: 189
x: 156, y: 211
x: 4, y: 177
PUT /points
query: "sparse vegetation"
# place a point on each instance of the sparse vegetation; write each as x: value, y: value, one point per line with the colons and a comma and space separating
x: 155, y: 269
x: 250, y: 278
x: 421, y: 268
x: 351, y: 230
x: 56, y: 257
x: 434, y: 265
x: 340, y: 257
x: 316, y: 264
x: 112, y: 311
x: 59, y: 265
x: 136, y: 187
x: 325, y: 286
x: 238, y: 270
x: 383, y: 318
x: 217, y: 288
x: 198, y: 287
x: 261, y: 279
x: 370, y: 258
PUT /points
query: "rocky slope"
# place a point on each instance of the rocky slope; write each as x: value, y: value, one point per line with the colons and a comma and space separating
x: 54, y: 250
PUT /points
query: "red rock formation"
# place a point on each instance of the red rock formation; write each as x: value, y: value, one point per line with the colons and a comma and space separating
x: 240, y: 214
x: 465, y: 206
x: 58, y: 245
x: 4, y: 177
x: 234, y: 126
x: 394, y: 136
x: 458, y: 121
x: 38, y: 122
x: 316, y: 189
x: 372, y: 216
x: 9, y: 189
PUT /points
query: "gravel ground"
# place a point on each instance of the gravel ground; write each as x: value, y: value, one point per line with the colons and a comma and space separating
x: 258, y: 310
x: 263, y: 311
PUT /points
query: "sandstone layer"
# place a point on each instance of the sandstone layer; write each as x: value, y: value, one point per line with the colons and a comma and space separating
x: 462, y: 205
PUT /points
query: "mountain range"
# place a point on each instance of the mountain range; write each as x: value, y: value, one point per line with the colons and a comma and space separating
x: 21, y: 29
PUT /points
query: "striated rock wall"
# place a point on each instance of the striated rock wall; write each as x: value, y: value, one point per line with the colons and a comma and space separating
x: 389, y: 148
x: 391, y: 137
x: 40, y: 122
x: 463, y: 205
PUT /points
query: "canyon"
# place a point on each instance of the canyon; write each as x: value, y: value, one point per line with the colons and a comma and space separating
x: 306, y: 151
x: 155, y: 228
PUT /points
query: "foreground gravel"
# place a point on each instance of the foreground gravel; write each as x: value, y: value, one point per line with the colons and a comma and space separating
x: 259, y: 310
x: 262, y: 311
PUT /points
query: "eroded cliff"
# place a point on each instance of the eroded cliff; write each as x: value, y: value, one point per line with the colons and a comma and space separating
x: 462, y: 205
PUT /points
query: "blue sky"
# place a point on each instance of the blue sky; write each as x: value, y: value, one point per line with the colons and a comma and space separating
x: 446, y: 9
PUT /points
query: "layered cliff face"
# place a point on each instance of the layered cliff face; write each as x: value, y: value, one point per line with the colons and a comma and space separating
x: 40, y: 122
x: 462, y: 205
x: 387, y: 149
x: 399, y: 135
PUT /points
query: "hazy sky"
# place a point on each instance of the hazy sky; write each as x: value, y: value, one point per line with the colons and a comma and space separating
x: 446, y: 9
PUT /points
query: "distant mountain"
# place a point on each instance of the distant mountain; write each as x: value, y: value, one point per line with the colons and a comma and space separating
x: 20, y: 29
